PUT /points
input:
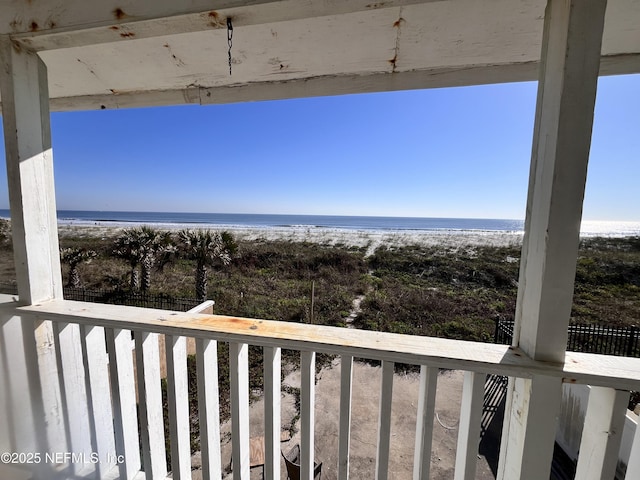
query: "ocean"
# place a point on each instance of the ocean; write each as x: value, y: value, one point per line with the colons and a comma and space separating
x: 246, y: 220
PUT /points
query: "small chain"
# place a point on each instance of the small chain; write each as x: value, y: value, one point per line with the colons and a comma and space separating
x: 229, y: 39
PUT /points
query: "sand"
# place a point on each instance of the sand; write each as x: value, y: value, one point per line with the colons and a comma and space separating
x: 371, y: 239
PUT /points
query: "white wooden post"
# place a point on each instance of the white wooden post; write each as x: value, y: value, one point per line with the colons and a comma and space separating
x: 602, y: 433
x: 470, y: 420
x: 424, y: 422
x: 150, y: 404
x: 344, y: 440
x: 307, y: 414
x: 570, y: 62
x: 633, y: 468
x: 239, y: 383
x: 384, y: 421
x: 272, y: 370
x: 178, y: 401
x: 74, y: 394
x: 96, y: 365
x: 27, y: 137
x: 209, y: 408
x: 123, y: 393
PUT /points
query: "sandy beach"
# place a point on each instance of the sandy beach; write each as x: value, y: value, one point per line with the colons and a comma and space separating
x: 371, y: 239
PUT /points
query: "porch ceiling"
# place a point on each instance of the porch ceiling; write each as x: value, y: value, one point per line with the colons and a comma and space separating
x: 107, y: 54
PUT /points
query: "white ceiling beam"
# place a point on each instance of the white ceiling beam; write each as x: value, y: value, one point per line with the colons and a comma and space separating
x: 63, y: 24
x: 328, y: 86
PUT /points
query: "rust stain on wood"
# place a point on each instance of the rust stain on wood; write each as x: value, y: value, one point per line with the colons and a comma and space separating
x: 114, y: 27
x: 119, y: 14
x: 127, y: 34
x: 33, y: 26
x: 215, y: 20
x: 398, y: 22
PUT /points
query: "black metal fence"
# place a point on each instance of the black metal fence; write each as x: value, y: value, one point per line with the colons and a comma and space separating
x: 121, y: 297
x: 621, y: 341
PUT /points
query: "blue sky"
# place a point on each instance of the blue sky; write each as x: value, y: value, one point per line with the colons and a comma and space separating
x: 458, y: 152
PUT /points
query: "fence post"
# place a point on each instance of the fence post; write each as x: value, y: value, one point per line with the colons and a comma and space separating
x: 631, y: 339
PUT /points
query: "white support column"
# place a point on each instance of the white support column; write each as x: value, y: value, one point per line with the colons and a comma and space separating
x: 178, y: 401
x: 602, y: 434
x: 470, y: 420
x: 384, y: 421
x: 272, y: 371
x: 424, y: 422
x: 27, y: 137
x: 209, y: 408
x: 344, y: 440
x: 239, y: 383
x: 570, y: 62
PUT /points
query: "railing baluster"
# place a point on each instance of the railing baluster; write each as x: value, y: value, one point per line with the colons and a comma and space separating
x: 178, y: 400
x: 344, y: 441
x: 384, y: 421
x: 272, y: 367
x: 424, y: 422
x: 150, y: 401
x: 470, y: 422
x: 125, y: 419
x: 307, y: 414
x: 633, y: 468
x: 74, y: 393
x: 209, y: 408
x: 99, y: 396
x: 239, y: 382
x: 602, y: 433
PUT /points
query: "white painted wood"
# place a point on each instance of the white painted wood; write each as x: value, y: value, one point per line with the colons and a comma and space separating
x: 602, y: 434
x: 153, y: 18
x: 123, y: 392
x: 470, y: 423
x: 571, y: 47
x: 239, y: 383
x: 384, y: 421
x: 272, y: 422
x: 209, y: 408
x: 74, y: 394
x: 562, y: 139
x: 344, y: 439
x: 150, y: 404
x: 96, y: 364
x: 424, y: 422
x: 534, y: 405
x: 633, y: 467
x: 329, y: 43
x: 21, y: 408
x: 178, y: 401
x: 307, y: 413
x: 27, y: 138
x: 602, y: 370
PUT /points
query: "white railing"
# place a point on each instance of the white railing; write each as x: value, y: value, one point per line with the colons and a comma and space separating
x: 98, y: 412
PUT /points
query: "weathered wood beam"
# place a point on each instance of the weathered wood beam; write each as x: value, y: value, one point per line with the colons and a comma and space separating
x: 571, y: 47
x: 61, y: 24
x: 583, y: 368
x: 27, y: 137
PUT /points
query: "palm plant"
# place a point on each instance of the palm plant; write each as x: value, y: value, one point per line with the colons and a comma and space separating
x: 73, y: 257
x: 206, y: 248
x: 143, y: 246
